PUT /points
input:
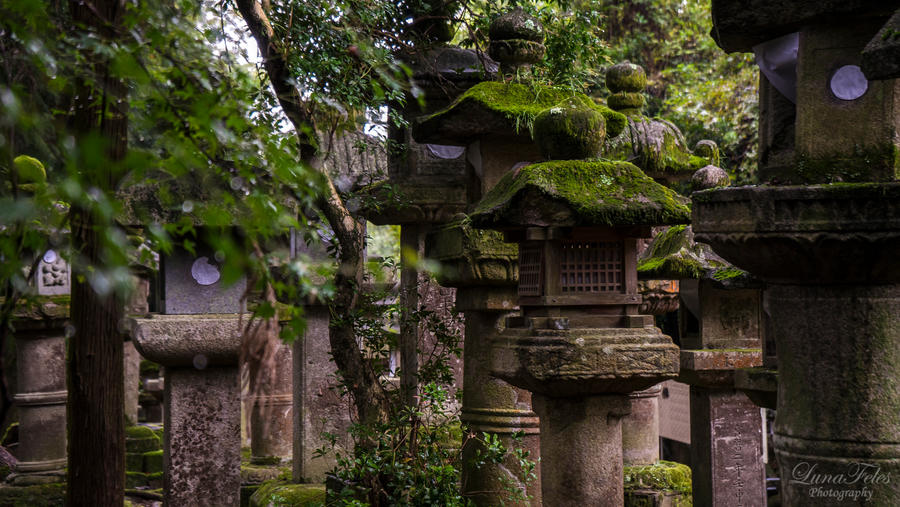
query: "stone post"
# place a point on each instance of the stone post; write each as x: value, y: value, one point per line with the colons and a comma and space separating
x: 491, y: 405
x: 828, y: 252
x: 317, y: 406
x: 41, y: 377
x: 640, y: 428
x: 483, y: 269
x: 41, y: 394
x: 197, y: 340
x: 271, y: 420
x: 581, y: 447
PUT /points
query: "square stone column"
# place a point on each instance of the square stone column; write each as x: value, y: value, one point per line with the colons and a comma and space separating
x: 202, y: 447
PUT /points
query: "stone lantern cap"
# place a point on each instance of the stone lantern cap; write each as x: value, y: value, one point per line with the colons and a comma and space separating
x: 674, y: 255
x: 492, y: 107
x: 739, y: 25
x: 569, y: 193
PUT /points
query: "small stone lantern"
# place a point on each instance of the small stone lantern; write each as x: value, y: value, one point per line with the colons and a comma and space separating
x: 579, y: 345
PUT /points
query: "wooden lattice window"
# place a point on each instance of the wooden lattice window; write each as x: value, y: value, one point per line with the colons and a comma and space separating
x: 594, y: 266
x: 530, y: 269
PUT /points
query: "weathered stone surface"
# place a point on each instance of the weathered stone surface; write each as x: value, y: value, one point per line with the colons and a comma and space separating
x: 640, y: 428
x: 759, y: 384
x: 472, y: 256
x: 580, y: 362
x: 41, y: 400
x: 132, y: 382
x: 861, y: 142
x: 881, y: 57
x: 193, y: 284
x: 674, y: 255
x: 813, y: 232
x: 740, y: 25
x: 203, y: 436
x: 317, y: 406
x: 709, y: 176
x: 838, y: 401
x: 715, y: 367
x: 189, y: 340
x: 726, y: 449
x: 777, y: 119
x: 494, y: 406
x: 655, y: 145
x: 581, y: 449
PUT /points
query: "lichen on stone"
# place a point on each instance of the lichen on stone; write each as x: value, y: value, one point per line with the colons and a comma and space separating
x: 512, y: 105
x: 582, y: 193
x: 674, y: 255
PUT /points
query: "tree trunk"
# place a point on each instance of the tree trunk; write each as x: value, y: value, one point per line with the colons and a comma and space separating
x: 95, y: 408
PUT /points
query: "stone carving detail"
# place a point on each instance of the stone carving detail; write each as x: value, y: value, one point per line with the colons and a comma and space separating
x: 53, y: 275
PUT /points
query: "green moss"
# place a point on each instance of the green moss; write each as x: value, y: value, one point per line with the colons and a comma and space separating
x: 280, y: 494
x: 141, y: 439
x: 136, y: 480
x: 29, y: 170
x: 865, y: 164
x: 728, y: 274
x: 593, y: 193
x: 134, y: 462
x: 626, y: 77
x: 674, y: 255
x: 516, y: 103
x: 153, y: 461
x: 656, y: 146
x: 569, y: 131
x: 626, y: 100
x: 661, y: 476
x: 44, y: 495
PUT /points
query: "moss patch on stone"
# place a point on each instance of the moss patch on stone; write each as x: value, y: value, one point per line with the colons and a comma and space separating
x: 865, y: 164
x: 514, y: 104
x: 569, y: 131
x: 674, y: 255
x: 141, y: 439
x: 153, y: 461
x: 661, y: 476
x: 582, y: 193
x: 44, y: 495
x: 281, y: 494
x: 656, y: 146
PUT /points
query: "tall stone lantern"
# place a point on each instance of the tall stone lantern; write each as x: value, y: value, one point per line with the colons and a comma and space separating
x: 579, y: 346
x: 823, y: 229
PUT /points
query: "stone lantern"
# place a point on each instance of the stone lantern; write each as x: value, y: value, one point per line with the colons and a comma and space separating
x: 196, y: 337
x: 721, y: 321
x: 490, y: 121
x: 824, y: 231
x: 579, y: 345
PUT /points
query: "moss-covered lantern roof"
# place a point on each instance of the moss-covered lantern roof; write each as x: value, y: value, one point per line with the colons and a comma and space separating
x: 492, y: 107
x: 566, y: 193
x: 674, y: 255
